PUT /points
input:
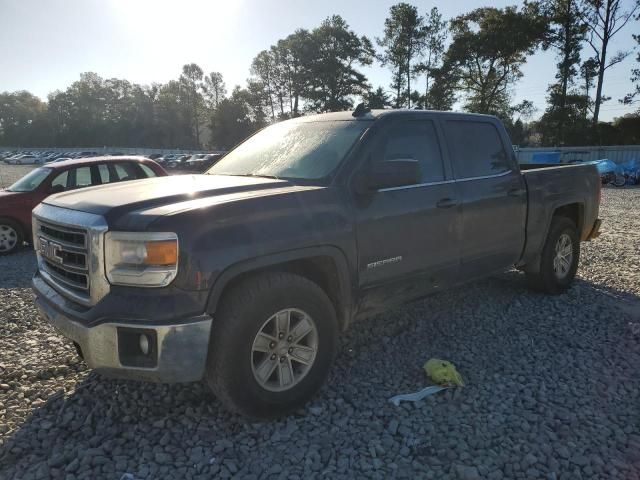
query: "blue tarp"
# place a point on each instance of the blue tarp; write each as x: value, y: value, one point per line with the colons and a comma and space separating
x: 607, y: 166
x: 545, y: 157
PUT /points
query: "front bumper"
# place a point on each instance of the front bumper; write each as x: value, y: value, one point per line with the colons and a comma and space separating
x: 177, y: 351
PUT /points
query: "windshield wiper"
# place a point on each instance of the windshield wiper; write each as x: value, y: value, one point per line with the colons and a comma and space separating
x: 260, y: 176
x: 246, y: 175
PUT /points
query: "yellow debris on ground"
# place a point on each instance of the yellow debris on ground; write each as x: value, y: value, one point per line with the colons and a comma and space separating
x: 443, y: 372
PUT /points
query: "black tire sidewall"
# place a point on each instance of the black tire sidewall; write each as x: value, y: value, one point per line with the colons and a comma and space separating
x: 559, y: 227
x: 240, y: 385
x: 18, y: 230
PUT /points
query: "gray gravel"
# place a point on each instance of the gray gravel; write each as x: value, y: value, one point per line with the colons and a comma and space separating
x: 9, y: 174
x: 552, y: 390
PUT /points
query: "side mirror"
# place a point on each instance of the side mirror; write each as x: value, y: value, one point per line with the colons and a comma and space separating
x: 56, y: 189
x: 389, y: 174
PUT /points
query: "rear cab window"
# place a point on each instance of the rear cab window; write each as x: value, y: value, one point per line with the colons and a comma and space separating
x: 476, y: 149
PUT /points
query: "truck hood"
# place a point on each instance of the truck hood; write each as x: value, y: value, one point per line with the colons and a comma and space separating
x: 165, y: 195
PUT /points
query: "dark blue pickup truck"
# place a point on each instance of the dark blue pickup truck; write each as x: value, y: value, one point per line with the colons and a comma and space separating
x: 245, y: 276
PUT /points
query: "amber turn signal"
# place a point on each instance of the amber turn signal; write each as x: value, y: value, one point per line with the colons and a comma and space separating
x: 163, y: 252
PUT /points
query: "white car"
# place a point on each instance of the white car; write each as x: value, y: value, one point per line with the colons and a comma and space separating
x: 25, y: 159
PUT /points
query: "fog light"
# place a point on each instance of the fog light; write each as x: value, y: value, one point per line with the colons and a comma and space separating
x: 144, y: 344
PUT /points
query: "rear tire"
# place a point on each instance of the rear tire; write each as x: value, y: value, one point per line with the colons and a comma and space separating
x: 559, y: 259
x: 252, y: 366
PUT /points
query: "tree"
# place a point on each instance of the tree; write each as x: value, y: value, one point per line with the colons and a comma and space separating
x: 635, y: 77
x: 214, y: 89
x: 403, y: 41
x: 489, y: 46
x: 191, y: 81
x: 377, y: 99
x: 435, y: 34
x: 263, y: 69
x: 335, y: 51
x: 571, y: 116
x: 442, y: 93
x: 588, y: 73
x: 565, y: 36
x: 173, y: 117
x: 23, y: 119
x: 296, y: 58
x: 604, y: 19
x: 234, y: 119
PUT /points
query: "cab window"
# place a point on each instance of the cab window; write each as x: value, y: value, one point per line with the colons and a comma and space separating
x: 415, y: 140
x: 476, y: 149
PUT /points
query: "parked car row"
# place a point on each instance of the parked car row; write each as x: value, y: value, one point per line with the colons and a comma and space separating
x: 180, y: 161
x: 21, y: 157
x: 198, y: 162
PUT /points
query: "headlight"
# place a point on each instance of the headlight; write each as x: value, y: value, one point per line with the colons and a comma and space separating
x: 146, y: 259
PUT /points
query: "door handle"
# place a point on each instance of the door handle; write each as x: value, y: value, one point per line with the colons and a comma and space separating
x: 446, y: 203
x: 516, y: 192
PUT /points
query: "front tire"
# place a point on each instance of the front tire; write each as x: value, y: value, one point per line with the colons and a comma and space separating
x: 272, y: 345
x: 559, y: 259
x: 11, y: 236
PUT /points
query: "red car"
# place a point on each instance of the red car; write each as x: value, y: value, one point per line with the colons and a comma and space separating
x: 17, y: 201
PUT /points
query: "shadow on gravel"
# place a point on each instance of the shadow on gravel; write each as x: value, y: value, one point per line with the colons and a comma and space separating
x: 552, y: 389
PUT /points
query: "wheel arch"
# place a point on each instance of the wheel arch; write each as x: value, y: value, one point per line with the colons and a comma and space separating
x: 15, y: 221
x: 326, y: 266
x: 572, y: 211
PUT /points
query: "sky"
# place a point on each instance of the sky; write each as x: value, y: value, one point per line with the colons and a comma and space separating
x: 46, y: 44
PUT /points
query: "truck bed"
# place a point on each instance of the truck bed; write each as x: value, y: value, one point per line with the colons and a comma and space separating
x: 572, y: 186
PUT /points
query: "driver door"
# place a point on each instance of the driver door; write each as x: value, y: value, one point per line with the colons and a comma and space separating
x: 408, y: 236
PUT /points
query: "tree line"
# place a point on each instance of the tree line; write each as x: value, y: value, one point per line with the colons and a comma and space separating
x: 473, y: 60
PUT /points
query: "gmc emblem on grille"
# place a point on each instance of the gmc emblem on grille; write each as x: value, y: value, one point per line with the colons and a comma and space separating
x: 50, y: 250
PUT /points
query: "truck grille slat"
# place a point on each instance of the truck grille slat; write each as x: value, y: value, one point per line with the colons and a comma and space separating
x: 64, y: 253
x: 70, y: 279
x: 71, y: 237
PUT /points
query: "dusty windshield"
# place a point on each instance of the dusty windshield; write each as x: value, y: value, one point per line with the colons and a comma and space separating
x: 30, y: 181
x: 293, y: 150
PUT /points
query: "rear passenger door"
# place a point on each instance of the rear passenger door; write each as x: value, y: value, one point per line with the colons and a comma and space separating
x: 407, y: 236
x: 493, y: 194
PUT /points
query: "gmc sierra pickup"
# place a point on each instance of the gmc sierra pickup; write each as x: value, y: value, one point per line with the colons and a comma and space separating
x: 245, y: 276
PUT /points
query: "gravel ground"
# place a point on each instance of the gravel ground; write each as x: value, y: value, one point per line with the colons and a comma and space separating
x: 9, y: 174
x: 552, y: 390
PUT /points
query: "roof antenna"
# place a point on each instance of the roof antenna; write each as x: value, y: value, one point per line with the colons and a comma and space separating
x: 360, y: 110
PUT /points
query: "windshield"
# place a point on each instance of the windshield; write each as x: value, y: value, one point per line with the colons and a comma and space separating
x: 292, y: 150
x: 30, y: 181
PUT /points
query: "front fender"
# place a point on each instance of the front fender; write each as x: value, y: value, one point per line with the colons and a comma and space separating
x: 344, y: 277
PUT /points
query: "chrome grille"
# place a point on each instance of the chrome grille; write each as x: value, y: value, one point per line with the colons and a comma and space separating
x: 64, y: 255
x: 70, y: 249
